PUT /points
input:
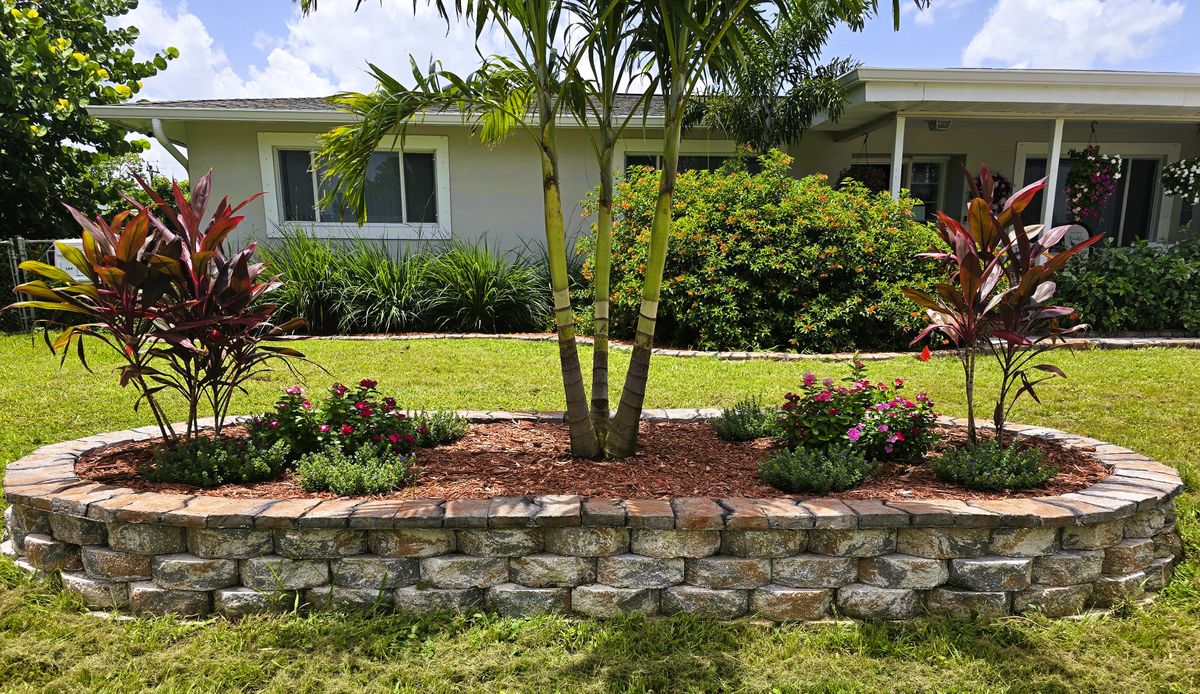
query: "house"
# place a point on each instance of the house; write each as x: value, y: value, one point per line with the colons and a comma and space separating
x: 916, y: 127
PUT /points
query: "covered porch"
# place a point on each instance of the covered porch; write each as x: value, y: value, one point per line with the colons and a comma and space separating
x: 916, y: 129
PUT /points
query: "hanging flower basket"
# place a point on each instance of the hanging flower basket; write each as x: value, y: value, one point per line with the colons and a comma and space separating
x: 1091, y: 181
x: 872, y: 177
x: 1182, y: 179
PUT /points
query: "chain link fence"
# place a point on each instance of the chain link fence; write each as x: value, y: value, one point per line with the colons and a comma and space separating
x: 12, y: 253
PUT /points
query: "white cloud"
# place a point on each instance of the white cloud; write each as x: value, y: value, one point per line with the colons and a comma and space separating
x: 316, y: 55
x: 1077, y: 34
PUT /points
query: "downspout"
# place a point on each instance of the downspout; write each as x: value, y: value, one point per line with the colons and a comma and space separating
x: 159, y: 134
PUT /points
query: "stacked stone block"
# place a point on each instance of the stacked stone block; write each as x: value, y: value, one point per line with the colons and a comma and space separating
x: 776, y: 559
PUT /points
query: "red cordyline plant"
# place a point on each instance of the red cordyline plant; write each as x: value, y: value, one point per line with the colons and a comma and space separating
x: 163, y: 294
x: 997, y: 294
x: 218, y: 322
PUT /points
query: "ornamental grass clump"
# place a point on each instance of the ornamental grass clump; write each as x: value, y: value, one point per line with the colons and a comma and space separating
x: 990, y: 466
x: 745, y: 421
x: 875, y: 418
x: 816, y: 470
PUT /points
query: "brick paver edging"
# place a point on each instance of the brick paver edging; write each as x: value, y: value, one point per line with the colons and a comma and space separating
x: 779, y: 559
x: 1079, y: 343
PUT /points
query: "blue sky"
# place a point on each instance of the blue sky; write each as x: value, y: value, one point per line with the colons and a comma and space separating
x: 246, y: 48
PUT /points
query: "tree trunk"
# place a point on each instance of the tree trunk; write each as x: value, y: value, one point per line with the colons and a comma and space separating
x: 622, y: 436
x: 583, y: 435
x: 603, y: 274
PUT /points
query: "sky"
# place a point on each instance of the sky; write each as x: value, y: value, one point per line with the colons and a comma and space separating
x: 263, y: 48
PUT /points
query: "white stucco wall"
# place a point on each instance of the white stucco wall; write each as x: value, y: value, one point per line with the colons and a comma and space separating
x: 496, y: 192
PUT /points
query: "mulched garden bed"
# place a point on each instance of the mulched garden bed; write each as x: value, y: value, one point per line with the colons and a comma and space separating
x: 676, y: 459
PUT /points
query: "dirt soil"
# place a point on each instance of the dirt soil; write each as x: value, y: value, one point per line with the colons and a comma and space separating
x: 675, y: 459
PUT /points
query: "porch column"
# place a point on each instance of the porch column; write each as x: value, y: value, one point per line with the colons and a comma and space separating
x: 1051, y: 191
x: 898, y: 157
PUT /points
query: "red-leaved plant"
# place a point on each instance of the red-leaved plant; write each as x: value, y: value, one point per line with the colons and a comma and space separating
x: 164, y: 295
x: 997, y: 294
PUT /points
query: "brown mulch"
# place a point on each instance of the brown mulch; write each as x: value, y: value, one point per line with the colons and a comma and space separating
x: 526, y: 458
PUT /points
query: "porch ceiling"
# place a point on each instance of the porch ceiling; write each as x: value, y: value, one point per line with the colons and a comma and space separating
x: 874, y: 94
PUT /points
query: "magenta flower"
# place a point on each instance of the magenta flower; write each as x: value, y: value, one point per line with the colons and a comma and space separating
x: 323, y: 428
x: 809, y: 379
x: 274, y: 424
x: 347, y: 430
x: 368, y: 383
x: 293, y: 390
x: 827, y: 382
x: 338, y: 389
x: 854, y: 433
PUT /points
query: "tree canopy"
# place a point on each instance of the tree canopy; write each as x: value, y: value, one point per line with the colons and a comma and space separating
x: 57, y: 57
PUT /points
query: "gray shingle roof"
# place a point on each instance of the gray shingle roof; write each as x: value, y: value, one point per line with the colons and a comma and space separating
x: 322, y: 104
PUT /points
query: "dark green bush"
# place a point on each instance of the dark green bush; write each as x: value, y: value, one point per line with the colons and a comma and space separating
x: 1140, y: 288
x: 989, y: 465
x: 438, y: 427
x: 476, y: 289
x: 745, y: 421
x: 768, y: 260
x: 816, y: 470
x: 209, y: 462
x: 358, y: 287
x: 369, y: 470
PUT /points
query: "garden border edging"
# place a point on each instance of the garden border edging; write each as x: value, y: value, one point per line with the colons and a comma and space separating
x: 1168, y: 341
x: 776, y: 558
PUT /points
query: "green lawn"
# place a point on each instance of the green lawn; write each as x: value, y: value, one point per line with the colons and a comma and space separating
x: 1144, y: 400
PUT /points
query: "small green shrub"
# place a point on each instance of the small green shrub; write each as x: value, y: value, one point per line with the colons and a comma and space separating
x: 368, y: 470
x: 1140, y: 288
x: 438, y: 427
x: 989, y: 465
x: 745, y: 421
x: 767, y: 260
x: 209, y: 462
x: 816, y: 470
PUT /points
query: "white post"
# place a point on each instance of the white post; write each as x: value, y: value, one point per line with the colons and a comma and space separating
x: 898, y: 157
x: 1051, y: 190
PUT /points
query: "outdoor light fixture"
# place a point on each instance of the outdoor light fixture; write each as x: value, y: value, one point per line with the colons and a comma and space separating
x: 938, y: 126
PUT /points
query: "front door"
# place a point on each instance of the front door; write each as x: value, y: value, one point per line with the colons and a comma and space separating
x: 1128, y: 215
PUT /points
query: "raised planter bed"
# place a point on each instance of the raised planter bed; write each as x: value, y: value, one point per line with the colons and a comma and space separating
x: 778, y: 558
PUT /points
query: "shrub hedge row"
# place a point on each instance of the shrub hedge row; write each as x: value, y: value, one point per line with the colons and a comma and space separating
x: 765, y: 260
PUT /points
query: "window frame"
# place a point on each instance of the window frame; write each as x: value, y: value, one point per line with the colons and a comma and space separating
x: 1166, y: 152
x: 653, y: 148
x: 269, y: 145
x: 941, y: 160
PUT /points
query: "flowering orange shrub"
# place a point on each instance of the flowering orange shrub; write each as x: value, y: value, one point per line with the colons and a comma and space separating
x: 766, y: 260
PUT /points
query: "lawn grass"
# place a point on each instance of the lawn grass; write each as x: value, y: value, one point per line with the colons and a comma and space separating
x: 1144, y: 400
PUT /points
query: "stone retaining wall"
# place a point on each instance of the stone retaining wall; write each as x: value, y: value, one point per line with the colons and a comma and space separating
x: 779, y: 559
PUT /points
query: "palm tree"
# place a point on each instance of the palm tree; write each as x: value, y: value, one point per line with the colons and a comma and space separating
x: 780, y: 86
x: 504, y: 95
x: 691, y: 42
x: 608, y: 52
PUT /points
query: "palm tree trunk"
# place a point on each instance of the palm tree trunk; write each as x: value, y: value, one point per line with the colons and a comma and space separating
x: 622, y: 435
x: 583, y: 435
x: 603, y: 274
